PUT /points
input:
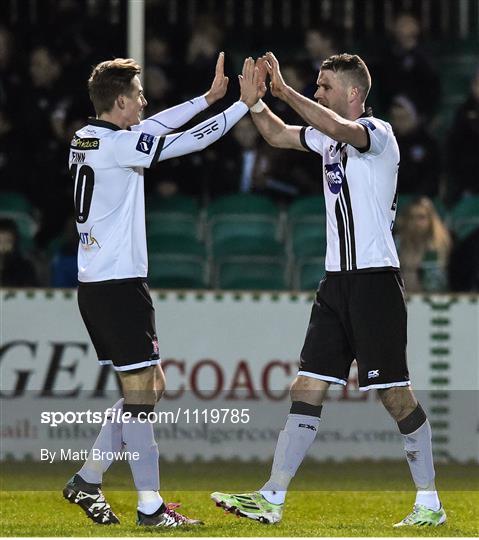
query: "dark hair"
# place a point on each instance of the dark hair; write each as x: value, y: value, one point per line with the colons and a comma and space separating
x: 110, y: 79
x: 353, y: 66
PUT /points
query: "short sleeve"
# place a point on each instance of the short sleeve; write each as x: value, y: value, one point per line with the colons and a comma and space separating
x: 377, y: 133
x: 133, y: 149
x: 312, y: 139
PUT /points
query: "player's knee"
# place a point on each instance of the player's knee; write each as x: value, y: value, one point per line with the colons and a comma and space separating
x: 398, y: 401
x: 308, y: 390
x: 139, y: 386
x: 160, y: 383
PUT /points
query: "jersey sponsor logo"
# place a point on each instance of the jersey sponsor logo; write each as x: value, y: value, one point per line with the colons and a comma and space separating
x: 85, y: 143
x: 334, y: 177
x: 87, y: 240
x: 373, y: 373
x: 145, y: 143
x: 205, y: 130
x: 368, y: 123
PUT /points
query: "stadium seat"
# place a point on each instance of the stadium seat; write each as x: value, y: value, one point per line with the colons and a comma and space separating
x: 308, y: 273
x: 242, y: 203
x: 244, y: 235
x: 308, y: 237
x: 251, y: 273
x: 171, y: 223
x: 178, y: 271
x: 170, y: 244
x: 11, y: 201
x: 465, y: 216
x: 18, y: 208
x: 307, y: 206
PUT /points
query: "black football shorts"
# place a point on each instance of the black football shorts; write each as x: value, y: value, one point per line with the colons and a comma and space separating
x: 120, y: 319
x: 358, y: 316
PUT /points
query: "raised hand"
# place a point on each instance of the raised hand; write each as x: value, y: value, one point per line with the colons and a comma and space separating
x: 262, y: 73
x: 249, y: 83
x: 277, y: 84
x: 220, y: 82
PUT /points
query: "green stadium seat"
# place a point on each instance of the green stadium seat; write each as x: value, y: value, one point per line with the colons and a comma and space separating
x: 307, y: 206
x: 169, y: 271
x: 251, y: 273
x: 169, y: 244
x: 11, y: 201
x: 465, y: 216
x: 308, y: 237
x: 171, y: 223
x: 309, y: 272
x: 244, y: 235
x: 242, y: 203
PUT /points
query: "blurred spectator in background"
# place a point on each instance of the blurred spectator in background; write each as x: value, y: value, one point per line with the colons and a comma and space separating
x: 64, y: 268
x: 464, y: 265
x: 161, y: 74
x: 320, y: 43
x: 202, y: 52
x: 284, y: 175
x: 420, y: 165
x: 56, y: 203
x: 296, y: 76
x: 9, y: 70
x: 405, y: 69
x: 42, y: 118
x: 424, y: 246
x: 463, y: 167
x: 13, y: 165
x: 15, y: 269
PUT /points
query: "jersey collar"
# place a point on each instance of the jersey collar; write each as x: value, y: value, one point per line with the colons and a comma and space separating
x: 103, y: 123
x: 367, y: 112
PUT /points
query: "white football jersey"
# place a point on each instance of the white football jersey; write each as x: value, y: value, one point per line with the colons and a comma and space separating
x: 361, y: 198
x: 107, y: 164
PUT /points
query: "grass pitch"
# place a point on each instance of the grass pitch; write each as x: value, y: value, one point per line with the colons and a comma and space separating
x: 328, y: 499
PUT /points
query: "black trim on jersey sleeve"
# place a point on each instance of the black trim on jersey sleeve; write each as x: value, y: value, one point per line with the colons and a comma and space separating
x: 159, y: 148
x: 302, y: 138
x: 368, y: 145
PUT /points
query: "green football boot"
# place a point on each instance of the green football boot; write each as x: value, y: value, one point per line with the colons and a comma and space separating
x: 423, y: 516
x: 250, y: 505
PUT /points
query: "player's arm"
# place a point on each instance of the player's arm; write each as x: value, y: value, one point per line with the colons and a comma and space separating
x: 273, y: 130
x: 172, y: 119
x: 328, y: 122
x: 203, y: 135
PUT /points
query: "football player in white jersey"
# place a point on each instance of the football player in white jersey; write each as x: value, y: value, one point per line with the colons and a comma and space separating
x: 107, y: 158
x: 360, y: 309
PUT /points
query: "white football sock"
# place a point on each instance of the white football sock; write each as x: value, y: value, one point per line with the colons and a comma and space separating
x: 418, y: 447
x: 139, y: 437
x: 293, y: 443
x: 149, y: 501
x: 108, y: 440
